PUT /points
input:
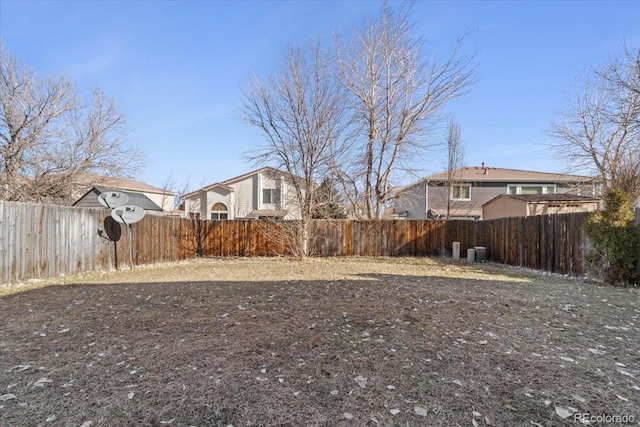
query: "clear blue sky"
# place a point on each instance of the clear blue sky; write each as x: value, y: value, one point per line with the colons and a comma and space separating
x: 178, y: 69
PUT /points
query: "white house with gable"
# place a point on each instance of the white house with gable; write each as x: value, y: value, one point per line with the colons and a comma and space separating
x: 260, y: 194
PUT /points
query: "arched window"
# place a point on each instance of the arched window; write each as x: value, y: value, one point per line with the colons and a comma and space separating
x: 219, y: 211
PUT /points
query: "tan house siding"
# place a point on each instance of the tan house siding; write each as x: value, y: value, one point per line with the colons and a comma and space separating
x: 243, y: 196
x: 269, y: 181
x: 165, y: 201
x: 558, y: 208
x: 289, y: 199
x: 202, y: 199
x: 219, y: 195
x: 505, y: 206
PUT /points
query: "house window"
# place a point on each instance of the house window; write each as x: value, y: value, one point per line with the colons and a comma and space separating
x: 461, y: 192
x: 219, y: 211
x: 597, y: 190
x: 531, y: 189
x: 271, y: 196
x: 219, y: 215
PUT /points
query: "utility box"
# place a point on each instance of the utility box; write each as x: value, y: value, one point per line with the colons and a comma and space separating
x: 481, y: 253
x: 471, y: 255
x: 456, y: 250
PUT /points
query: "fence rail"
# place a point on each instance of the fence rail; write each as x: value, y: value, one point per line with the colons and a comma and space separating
x: 41, y: 241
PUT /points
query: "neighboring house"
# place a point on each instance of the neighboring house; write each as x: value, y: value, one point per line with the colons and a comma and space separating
x: 507, y: 205
x: 263, y: 193
x: 90, y: 199
x: 89, y: 182
x: 472, y: 187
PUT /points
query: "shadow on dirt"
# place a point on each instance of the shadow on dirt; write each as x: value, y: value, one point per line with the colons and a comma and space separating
x: 379, y: 350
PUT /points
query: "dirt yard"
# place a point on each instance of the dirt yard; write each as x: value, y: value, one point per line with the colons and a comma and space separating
x: 324, y: 342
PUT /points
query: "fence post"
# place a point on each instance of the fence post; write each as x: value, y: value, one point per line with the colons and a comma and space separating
x: 637, y: 211
x: 32, y: 249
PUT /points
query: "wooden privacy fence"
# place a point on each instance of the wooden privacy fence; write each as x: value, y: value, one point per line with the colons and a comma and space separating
x: 41, y: 241
x: 554, y: 243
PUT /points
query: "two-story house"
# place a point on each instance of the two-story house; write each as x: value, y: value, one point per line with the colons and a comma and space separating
x: 263, y: 193
x: 461, y: 193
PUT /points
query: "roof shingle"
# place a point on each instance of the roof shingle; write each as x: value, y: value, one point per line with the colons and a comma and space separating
x: 489, y: 174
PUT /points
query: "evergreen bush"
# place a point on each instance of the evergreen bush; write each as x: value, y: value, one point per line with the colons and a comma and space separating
x: 615, y: 241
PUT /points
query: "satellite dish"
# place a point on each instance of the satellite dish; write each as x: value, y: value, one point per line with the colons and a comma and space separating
x: 112, y: 199
x: 128, y: 214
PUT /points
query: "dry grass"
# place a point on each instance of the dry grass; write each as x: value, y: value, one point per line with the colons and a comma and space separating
x: 280, y: 342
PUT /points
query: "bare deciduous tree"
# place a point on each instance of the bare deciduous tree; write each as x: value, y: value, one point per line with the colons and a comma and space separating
x: 394, y: 98
x: 600, y: 130
x: 49, y: 136
x: 179, y: 201
x: 299, y: 111
x: 455, y: 161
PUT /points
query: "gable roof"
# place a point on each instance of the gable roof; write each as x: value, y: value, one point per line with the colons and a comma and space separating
x: 90, y: 199
x: 227, y: 183
x: 253, y: 172
x: 91, y: 179
x: 211, y: 187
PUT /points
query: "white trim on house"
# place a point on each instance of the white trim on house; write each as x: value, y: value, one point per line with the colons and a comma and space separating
x: 460, y: 199
x: 544, y: 187
x: 243, y: 196
x: 426, y: 200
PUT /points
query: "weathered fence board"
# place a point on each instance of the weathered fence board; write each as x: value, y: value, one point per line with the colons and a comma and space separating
x: 40, y: 241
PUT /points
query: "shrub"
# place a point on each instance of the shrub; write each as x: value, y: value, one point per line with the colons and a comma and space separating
x: 615, y: 240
